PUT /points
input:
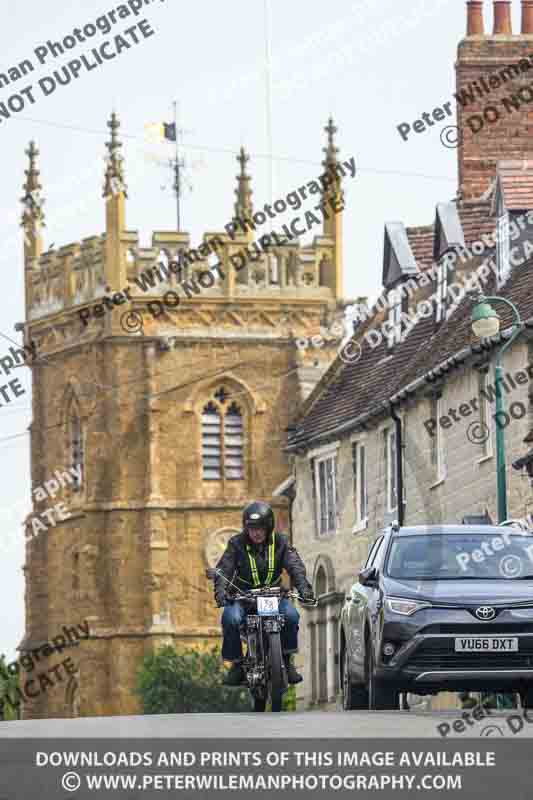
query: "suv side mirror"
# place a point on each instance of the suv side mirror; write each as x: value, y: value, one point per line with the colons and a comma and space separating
x: 369, y: 577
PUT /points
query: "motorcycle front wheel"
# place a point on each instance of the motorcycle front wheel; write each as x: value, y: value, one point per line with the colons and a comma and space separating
x: 259, y: 703
x: 276, y: 671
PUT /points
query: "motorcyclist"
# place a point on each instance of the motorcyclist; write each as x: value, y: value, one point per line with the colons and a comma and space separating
x: 255, y: 558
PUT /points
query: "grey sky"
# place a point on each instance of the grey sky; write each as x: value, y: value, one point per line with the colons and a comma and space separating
x: 372, y: 64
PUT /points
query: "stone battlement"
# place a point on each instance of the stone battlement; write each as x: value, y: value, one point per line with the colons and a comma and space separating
x: 75, y: 274
x: 80, y: 273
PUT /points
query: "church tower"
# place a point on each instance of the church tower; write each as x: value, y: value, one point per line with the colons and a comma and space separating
x: 172, y: 416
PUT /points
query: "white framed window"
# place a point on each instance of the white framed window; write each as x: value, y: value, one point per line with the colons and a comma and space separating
x: 484, y: 393
x: 325, y: 473
x: 360, y: 487
x: 394, y: 335
x: 442, y: 291
x: 438, y: 461
x: 391, y: 492
x: 502, y: 248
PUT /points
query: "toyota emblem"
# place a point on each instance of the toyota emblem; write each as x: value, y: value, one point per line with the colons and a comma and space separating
x: 485, y: 613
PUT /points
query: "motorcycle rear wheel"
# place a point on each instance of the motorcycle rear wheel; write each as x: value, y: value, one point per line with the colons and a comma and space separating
x: 276, y: 671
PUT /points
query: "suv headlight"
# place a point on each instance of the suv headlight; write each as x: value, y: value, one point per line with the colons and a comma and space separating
x: 399, y: 605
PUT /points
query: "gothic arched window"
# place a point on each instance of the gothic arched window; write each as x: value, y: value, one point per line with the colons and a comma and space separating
x: 211, y: 443
x: 233, y: 444
x: 222, y: 439
x: 77, y: 450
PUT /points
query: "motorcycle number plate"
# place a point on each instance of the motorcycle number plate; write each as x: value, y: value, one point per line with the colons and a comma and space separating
x: 267, y: 606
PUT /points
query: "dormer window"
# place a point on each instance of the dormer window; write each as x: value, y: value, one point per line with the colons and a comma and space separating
x: 395, y: 318
x: 398, y: 306
x: 448, y: 240
x: 399, y: 266
x: 512, y: 179
x: 502, y: 247
x: 442, y: 291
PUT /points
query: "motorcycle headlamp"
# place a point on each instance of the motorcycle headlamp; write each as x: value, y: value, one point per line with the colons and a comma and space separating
x: 401, y: 605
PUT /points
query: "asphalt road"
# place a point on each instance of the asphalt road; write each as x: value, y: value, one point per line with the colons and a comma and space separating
x: 354, y: 724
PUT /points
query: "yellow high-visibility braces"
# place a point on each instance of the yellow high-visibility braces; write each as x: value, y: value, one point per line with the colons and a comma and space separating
x: 253, y: 564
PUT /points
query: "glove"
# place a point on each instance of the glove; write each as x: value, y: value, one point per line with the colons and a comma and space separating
x: 307, y: 594
x: 220, y: 599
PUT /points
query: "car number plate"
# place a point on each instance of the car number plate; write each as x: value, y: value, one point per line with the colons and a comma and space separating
x: 267, y: 605
x: 490, y: 644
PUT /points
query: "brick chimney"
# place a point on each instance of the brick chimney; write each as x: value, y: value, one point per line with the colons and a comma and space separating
x: 474, y: 22
x: 527, y: 16
x: 491, y: 68
x: 502, y: 17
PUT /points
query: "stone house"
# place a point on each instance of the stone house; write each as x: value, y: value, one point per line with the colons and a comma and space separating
x: 409, y: 400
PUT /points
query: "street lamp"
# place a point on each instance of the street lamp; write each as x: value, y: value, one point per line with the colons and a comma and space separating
x: 486, y: 322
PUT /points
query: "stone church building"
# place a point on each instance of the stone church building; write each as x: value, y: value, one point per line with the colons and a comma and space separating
x: 173, y: 427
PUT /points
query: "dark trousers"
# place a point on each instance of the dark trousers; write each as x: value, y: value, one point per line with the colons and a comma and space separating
x: 233, y: 616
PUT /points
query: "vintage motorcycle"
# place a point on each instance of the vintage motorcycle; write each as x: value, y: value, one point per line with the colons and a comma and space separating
x: 263, y: 663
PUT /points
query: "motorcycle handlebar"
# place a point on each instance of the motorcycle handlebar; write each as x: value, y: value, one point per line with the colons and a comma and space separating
x: 212, y: 573
x: 248, y: 597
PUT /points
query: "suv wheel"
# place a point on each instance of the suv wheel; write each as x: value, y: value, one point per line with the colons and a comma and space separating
x: 353, y: 697
x: 380, y: 698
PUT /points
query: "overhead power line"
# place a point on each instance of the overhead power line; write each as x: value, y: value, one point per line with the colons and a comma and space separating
x: 232, y: 151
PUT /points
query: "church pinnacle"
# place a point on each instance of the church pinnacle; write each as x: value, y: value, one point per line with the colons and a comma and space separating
x: 243, y: 204
x: 33, y: 212
x: 33, y: 215
x: 331, y: 161
x: 333, y: 225
x: 114, y: 174
x: 115, y: 202
x: 331, y: 150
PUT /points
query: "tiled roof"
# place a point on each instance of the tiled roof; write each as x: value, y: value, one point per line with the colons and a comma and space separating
x: 475, y: 220
x: 421, y: 241
x: 350, y: 390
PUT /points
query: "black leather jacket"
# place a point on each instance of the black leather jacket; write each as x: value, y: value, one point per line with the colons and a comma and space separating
x: 235, y: 564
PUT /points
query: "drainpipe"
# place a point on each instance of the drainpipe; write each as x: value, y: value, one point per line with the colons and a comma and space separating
x: 399, y: 472
x: 291, y: 497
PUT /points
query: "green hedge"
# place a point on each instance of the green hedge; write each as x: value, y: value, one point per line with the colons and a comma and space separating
x: 190, y: 681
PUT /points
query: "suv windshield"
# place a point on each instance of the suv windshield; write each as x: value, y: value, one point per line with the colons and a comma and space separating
x: 462, y: 556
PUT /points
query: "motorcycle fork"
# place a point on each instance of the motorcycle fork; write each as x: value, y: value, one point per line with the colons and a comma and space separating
x: 261, y: 643
x: 251, y: 642
x: 255, y: 653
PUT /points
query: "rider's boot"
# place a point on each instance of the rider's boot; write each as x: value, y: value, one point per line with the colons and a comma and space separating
x: 235, y: 675
x: 292, y: 675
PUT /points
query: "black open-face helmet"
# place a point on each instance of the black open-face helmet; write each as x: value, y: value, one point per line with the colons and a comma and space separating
x: 258, y: 515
